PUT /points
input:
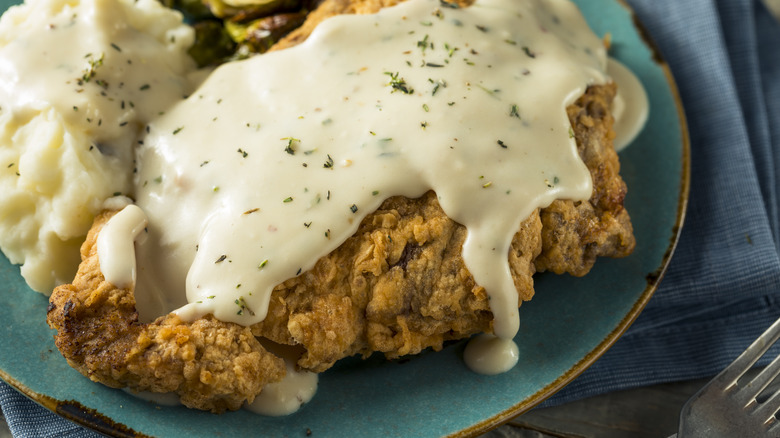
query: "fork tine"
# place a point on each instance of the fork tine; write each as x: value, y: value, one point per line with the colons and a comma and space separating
x: 774, y: 428
x: 767, y: 409
x: 745, y: 361
x: 752, y: 389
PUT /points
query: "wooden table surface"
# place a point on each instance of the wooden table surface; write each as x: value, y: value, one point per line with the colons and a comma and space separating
x: 650, y: 412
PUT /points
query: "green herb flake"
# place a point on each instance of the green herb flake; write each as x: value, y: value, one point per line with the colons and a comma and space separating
x: 91, y: 70
x: 450, y: 50
x: 145, y: 87
x: 425, y: 107
x: 502, y: 144
x: 178, y: 130
x: 514, y: 111
x: 116, y: 47
x: 221, y: 259
x: 329, y: 163
x: 242, y: 306
x: 489, y: 91
x: 399, y: 84
x: 529, y: 52
x: 353, y: 208
x: 288, y: 199
x: 262, y: 264
x: 438, y: 84
x: 423, y: 44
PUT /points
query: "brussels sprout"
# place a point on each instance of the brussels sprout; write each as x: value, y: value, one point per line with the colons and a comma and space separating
x: 212, y: 44
x: 262, y: 33
x: 243, y: 10
x: 194, y: 10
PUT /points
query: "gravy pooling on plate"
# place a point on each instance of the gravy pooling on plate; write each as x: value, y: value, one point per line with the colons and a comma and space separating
x: 274, y: 161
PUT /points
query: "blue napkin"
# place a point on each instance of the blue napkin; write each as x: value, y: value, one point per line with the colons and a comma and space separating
x: 723, y: 286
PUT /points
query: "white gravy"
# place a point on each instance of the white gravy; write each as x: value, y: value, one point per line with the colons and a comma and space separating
x: 489, y: 354
x: 275, y: 160
x: 287, y: 396
x: 630, y: 107
x: 116, y: 246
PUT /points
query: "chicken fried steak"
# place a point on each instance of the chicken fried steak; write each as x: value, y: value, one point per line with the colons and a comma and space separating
x: 397, y: 286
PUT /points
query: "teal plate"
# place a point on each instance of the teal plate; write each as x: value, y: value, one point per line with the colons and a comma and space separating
x: 567, y: 326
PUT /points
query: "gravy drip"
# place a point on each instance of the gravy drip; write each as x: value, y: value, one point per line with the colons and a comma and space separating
x: 116, y: 246
x: 630, y: 107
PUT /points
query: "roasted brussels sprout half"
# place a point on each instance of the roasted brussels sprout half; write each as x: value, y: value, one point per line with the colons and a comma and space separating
x: 262, y: 33
x: 213, y: 45
x: 235, y: 29
x: 245, y: 10
x: 194, y: 10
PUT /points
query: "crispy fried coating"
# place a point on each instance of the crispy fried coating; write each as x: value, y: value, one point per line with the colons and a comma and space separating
x: 212, y: 365
x: 574, y: 234
x: 397, y: 286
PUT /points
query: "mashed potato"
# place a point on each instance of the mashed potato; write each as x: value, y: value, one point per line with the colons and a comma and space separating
x: 79, y: 80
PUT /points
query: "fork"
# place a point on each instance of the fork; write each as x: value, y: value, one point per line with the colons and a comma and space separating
x: 728, y: 406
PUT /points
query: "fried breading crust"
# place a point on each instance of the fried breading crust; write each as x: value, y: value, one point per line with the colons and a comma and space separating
x: 574, y: 234
x: 397, y: 286
x: 212, y: 365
